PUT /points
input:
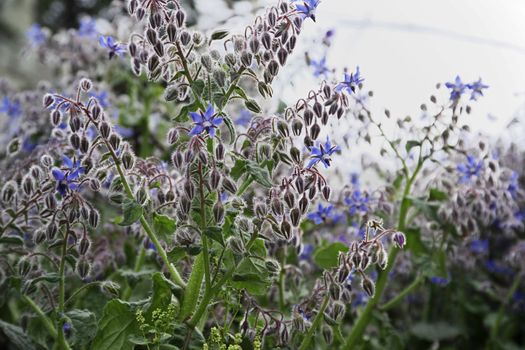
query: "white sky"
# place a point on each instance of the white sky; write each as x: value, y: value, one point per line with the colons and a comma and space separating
x: 404, y: 47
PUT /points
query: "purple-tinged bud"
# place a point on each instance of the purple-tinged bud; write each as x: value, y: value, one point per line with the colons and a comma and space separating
x: 84, y: 144
x: 282, y: 127
x: 229, y: 185
x: 170, y: 196
x: 93, y: 218
x: 291, y: 43
x: 159, y: 48
x: 295, y: 217
x: 28, y: 184
x: 295, y: 154
x: 75, y: 123
x: 86, y: 84
x: 335, y: 291
x: 246, y: 58
x: 261, y: 209
x: 254, y: 45
x: 128, y: 159
x: 328, y: 334
x: 289, y: 198
x: 282, y: 55
x: 236, y: 245
x: 219, y: 151
x: 185, y: 204
x: 140, y: 13
x: 308, y: 116
x: 110, y: 288
x: 284, y: 335
x: 315, y: 130
x: 171, y: 30
x: 180, y: 16
x: 297, y: 126
x: 151, y: 34
x: 104, y: 129
x: 132, y: 6
x: 46, y: 161
x: 39, y: 236
x: 177, y: 159
x: 230, y: 59
x: 185, y: 37
x: 83, y: 268
x: 153, y: 63
x: 318, y: 109
x: 9, y: 191
x: 219, y: 76
x: 326, y: 192
x: 173, y: 136
x: 266, y: 40
x: 24, y: 266
x: 368, y: 286
x: 56, y: 117
x: 286, y: 229
x: 83, y: 246
x: 273, y: 68
x: 215, y: 179
x: 114, y: 141
x: 132, y: 48
x: 48, y: 100
x: 399, y: 239
x: 142, y: 195
x: 298, y: 324
x: 94, y: 185
x: 74, y: 140
x: 218, y: 212
x: 303, y: 204
x: 277, y: 206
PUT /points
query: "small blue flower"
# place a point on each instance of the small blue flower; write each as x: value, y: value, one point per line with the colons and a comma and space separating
x: 495, y: 267
x: 354, y: 179
x: 477, y: 89
x: 223, y: 197
x: 350, y: 82
x: 457, y: 88
x: 114, y: 48
x: 66, y: 178
x: 244, y: 118
x: 306, y: 8
x: 320, y: 67
x: 322, y: 153
x: 88, y: 27
x: 357, y: 202
x: 306, y: 252
x: 514, y: 186
x: 479, y: 246
x: 66, y: 327
x: 36, y: 35
x: 470, y: 169
x: 322, y: 214
x: 102, y: 98
x: 207, y: 121
x: 10, y: 107
x: 440, y: 281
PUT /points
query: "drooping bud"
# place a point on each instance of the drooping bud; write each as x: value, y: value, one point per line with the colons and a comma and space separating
x: 399, y: 239
x: 218, y: 212
x: 215, y: 178
x: 83, y: 246
x: 368, y: 286
x: 82, y: 268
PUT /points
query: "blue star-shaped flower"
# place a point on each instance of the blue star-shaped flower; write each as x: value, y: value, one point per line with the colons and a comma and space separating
x: 66, y: 178
x: 457, y: 88
x: 88, y: 27
x: 322, y: 153
x: 35, y: 35
x: 476, y: 89
x: 350, y: 82
x: 207, y: 121
x: 357, y: 202
x: 306, y: 8
x: 114, y: 48
x: 10, y: 107
x: 470, y: 169
x: 322, y: 214
x: 320, y: 67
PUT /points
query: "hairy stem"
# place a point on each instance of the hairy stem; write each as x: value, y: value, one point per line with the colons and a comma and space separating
x: 317, y: 321
x: 45, y: 320
x: 62, y: 342
x: 364, y: 319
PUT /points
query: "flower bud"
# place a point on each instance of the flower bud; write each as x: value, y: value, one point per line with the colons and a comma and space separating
x: 328, y: 334
x: 218, y: 212
x: 185, y: 204
x: 28, y: 184
x: 74, y: 140
x: 24, y: 266
x: 297, y: 126
x: 277, y: 206
x: 82, y: 268
x: 368, y: 286
x: 229, y: 185
x: 215, y: 178
x: 219, y: 151
x: 289, y: 198
x: 303, y: 204
x: 83, y: 246
x: 185, y: 38
x: 295, y: 154
x: 9, y: 191
x: 282, y: 127
x: 114, y: 141
x: 177, y: 159
x: 171, y: 30
x: 84, y: 144
x: 399, y: 239
x: 326, y: 192
x: 48, y: 100
x: 56, y: 117
x: 286, y: 230
x: 282, y: 55
x: 272, y: 266
x: 315, y: 130
x: 104, y: 129
x: 93, y: 218
x: 86, y: 84
x: 110, y: 288
x: 273, y: 68
x: 180, y: 16
x: 246, y: 58
x: 295, y: 216
x: 236, y: 245
x: 128, y: 159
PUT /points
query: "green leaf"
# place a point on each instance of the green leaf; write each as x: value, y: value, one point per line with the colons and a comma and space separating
x: 253, y: 106
x: 191, y: 296
x: 12, y: 240
x: 252, y: 276
x: 198, y: 86
x: 326, y: 257
x: 231, y: 128
x: 435, y: 331
x: 240, y: 92
x: 238, y: 169
x: 163, y: 225
x: 116, y: 325
x: 411, y: 144
x: 437, y: 195
x: 16, y: 336
x: 161, y: 296
x: 84, y: 325
x: 132, y: 211
x: 219, y: 34
x: 261, y: 175
x: 414, y: 243
x: 183, y: 115
x: 215, y: 233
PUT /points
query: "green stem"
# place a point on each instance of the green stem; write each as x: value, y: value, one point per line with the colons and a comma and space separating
x: 79, y: 290
x: 138, y: 266
x: 398, y: 298
x: 364, y: 319
x: 244, y: 186
x: 338, y: 335
x: 45, y: 320
x: 175, y: 276
x: 62, y: 342
x: 282, y: 275
x: 205, y: 249
x: 501, y: 312
x: 317, y: 321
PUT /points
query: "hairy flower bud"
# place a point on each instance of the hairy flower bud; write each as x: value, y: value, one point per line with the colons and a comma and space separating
x: 368, y: 286
x: 48, y: 100
x: 218, y: 212
x: 215, y: 178
x: 399, y: 239
x: 282, y: 127
x: 8, y: 191
x: 315, y: 130
x: 24, y: 266
x: 104, y: 129
x: 303, y: 204
x: 56, y: 117
x: 229, y: 185
x: 236, y: 245
x: 83, y: 246
x: 85, y: 84
x: 82, y: 268
x: 295, y: 216
x: 277, y: 206
x: 128, y: 159
x: 93, y: 218
x: 177, y: 159
x: 114, y: 141
x: 286, y: 230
